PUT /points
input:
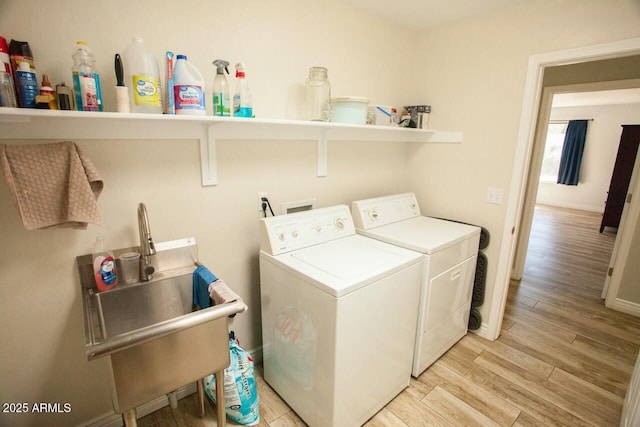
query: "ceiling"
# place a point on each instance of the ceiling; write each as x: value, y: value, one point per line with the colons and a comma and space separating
x: 421, y: 14
x: 603, y: 97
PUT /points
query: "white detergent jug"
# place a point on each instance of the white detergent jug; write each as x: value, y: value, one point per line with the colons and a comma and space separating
x: 189, y: 89
x: 142, y: 77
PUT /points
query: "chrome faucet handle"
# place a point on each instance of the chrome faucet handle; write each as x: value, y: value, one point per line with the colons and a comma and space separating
x: 152, y: 247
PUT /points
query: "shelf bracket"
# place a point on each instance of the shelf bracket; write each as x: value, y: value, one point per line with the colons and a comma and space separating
x: 208, y: 156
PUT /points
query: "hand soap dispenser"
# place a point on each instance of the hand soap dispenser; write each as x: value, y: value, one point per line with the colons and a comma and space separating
x: 104, y: 266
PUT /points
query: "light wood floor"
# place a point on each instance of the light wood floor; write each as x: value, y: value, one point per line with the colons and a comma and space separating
x: 563, y: 359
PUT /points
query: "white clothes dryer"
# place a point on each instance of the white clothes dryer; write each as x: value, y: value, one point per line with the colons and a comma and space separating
x: 450, y: 253
x: 338, y: 316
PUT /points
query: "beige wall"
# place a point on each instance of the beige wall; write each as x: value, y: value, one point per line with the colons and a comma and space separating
x: 473, y: 75
x: 42, y: 357
x: 472, y: 72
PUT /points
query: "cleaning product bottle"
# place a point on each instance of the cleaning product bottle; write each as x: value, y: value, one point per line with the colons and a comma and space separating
x: 221, y: 101
x: 27, y: 85
x: 188, y: 87
x: 242, y: 104
x: 47, y: 91
x: 142, y: 77
x: 64, y: 95
x: 7, y: 88
x: 104, y: 266
x: 21, y: 52
x: 86, y: 80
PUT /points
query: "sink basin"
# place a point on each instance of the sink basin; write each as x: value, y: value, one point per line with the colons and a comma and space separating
x: 154, y: 340
x: 130, y: 307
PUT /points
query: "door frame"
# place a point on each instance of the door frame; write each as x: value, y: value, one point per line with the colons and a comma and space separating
x: 537, y: 156
x: 628, y: 223
x: 524, y: 150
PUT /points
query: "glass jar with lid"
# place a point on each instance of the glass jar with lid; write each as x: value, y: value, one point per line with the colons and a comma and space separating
x: 317, y: 95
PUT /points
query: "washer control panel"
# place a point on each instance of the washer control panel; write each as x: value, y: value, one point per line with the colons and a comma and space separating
x: 285, y: 233
x: 372, y: 213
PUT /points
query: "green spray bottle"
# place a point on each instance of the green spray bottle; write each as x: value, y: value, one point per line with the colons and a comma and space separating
x: 221, y: 101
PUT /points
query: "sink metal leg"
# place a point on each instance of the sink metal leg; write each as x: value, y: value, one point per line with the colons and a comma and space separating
x: 200, y: 388
x: 129, y: 418
x: 173, y: 399
x: 222, y: 416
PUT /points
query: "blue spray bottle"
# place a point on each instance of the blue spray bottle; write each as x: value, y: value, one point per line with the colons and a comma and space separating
x: 242, y: 103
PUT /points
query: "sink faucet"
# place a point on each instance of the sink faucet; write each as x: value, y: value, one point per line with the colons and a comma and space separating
x: 147, y: 248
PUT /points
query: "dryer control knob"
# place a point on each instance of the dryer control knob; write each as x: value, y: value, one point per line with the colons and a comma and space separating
x: 339, y: 223
x: 373, y: 214
x: 294, y: 233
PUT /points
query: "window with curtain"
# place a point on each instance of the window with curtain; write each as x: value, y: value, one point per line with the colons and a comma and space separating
x: 572, y: 150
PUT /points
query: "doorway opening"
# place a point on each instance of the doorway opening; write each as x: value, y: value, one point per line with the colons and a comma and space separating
x: 581, y: 66
x: 561, y: 209
x: 607, y: 110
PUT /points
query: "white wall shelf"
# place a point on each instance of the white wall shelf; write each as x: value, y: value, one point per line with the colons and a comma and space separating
x: 16, y: 123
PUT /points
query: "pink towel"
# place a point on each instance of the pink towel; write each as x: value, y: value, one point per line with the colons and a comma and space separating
x: 52, y: 185
x: 221, y: 293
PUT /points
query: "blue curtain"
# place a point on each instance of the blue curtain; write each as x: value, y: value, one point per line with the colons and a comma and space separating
x: 572, y: 149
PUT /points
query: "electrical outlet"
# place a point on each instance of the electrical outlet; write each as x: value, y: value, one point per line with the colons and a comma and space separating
x: 260, y: 196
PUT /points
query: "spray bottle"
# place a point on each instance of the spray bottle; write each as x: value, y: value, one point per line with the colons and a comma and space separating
x: 242, y: 104
x: 221, y: 101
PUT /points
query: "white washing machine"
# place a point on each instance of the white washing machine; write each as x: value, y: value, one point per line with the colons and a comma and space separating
x: 450, y: 253
x: 338, y: 316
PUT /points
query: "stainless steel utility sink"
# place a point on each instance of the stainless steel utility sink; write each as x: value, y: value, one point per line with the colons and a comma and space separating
x: 128, y: 308
x: 155, y: 342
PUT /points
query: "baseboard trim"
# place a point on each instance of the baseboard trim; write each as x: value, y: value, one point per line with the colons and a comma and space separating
x: 483, y: 331
x: 628, y: 307
x: 588, y: 208
x: 257, y: 355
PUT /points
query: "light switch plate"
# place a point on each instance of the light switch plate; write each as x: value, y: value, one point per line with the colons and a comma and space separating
x: 494, y: 195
